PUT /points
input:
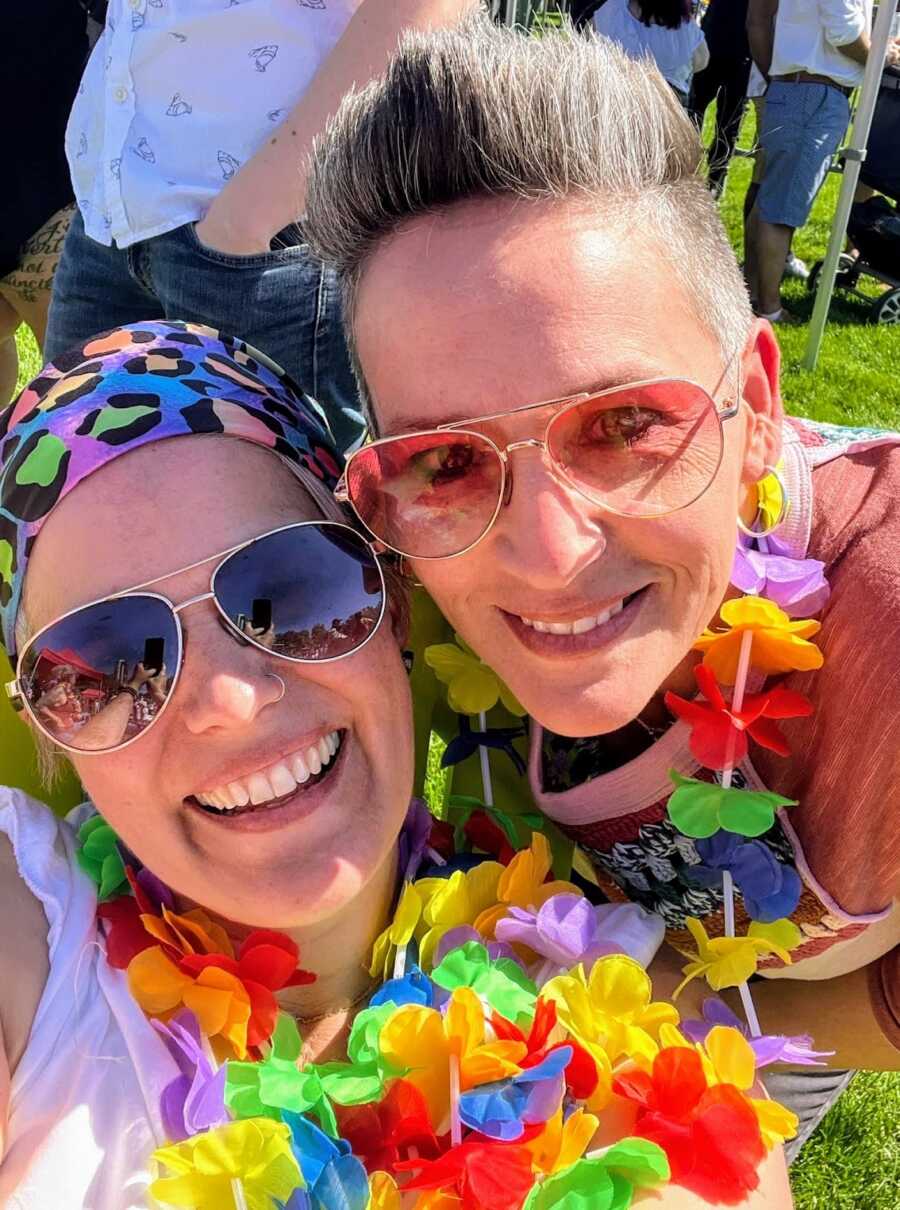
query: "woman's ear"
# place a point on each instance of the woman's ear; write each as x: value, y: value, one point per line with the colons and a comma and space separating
x: 762, y: 395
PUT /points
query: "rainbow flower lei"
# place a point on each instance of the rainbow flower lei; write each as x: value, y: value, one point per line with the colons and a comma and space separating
x: 513, y: 1057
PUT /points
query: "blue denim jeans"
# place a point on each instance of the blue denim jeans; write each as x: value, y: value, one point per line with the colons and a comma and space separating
x: 284, y: 302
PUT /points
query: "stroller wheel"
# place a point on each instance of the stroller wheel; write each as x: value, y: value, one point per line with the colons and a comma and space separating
x: 886, y: 308
x: 845, y: 277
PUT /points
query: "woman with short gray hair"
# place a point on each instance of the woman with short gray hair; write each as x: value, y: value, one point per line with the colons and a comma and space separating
x: 585, y: 459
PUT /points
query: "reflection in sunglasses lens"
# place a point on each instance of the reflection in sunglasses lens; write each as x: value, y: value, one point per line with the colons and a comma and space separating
x: 86, y: 679
x: 309, y: 592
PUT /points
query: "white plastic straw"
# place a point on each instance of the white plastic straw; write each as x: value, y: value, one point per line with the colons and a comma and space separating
x: 737, y: 702
x: 486, y: 782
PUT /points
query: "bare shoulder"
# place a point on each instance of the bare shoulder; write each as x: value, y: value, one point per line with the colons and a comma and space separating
x: 773, y: 1193
x: 24, y: 959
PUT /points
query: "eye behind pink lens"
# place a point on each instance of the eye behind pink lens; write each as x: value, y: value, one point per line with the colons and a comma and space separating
x: 644, y: 451
x: 430, y: 495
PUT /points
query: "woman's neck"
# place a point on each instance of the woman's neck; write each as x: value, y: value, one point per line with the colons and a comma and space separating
x: 336, y: 949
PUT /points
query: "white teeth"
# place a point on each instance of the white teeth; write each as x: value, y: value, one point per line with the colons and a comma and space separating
x: 580, y: 625
x: 299, y: 770
x: 260, y: 788
x: 282, y: 781
x: 239, y: 794
x: 277, y: 780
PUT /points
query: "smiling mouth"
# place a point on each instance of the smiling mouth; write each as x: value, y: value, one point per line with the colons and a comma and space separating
x: 276, y: 784
x: 581, y: 625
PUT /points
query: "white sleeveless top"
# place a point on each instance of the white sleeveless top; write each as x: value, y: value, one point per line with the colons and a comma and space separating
x: 84, y: 1102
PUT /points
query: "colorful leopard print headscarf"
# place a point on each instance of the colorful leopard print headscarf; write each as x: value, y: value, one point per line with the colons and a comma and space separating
x: 124, y: 389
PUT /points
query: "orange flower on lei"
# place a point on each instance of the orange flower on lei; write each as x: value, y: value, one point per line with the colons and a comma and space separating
x: 779, y: 644
x: 195, y: 967
x: 523, y: 884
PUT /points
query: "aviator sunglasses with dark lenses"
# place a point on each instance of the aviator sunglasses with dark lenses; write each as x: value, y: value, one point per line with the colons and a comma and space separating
x: 97, y: 678
x: 642, y: 450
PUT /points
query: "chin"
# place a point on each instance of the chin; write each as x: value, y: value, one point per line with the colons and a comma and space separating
x: 598, y: 708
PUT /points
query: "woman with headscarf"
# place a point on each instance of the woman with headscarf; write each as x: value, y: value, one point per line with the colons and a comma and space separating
x: 165, y: 505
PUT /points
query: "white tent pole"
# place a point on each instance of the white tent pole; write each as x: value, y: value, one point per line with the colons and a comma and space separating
x: 853, y: 155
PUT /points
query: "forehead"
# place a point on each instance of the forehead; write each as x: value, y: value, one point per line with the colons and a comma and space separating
x: 492, y: 304
x: 154, y: 510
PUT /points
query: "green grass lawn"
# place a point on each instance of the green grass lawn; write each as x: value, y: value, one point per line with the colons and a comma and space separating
x: 852, y: 1161
x: 857, y: 380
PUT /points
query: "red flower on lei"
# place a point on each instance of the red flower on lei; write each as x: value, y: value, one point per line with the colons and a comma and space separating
x: 710, y: 1134
x: 481, y: 1175
x: 381, y: 1133
x: 719, y: 734
x: 581, y: 1071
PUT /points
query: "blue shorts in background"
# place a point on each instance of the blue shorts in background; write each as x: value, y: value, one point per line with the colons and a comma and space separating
x: 802, y: 127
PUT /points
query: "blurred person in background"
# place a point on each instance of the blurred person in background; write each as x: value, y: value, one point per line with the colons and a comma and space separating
x: 186, y: 144
x: 813, y: 54
x: 723, y: 80
x: 661, y: 29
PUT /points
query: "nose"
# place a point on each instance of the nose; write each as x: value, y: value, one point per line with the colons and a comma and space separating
x: 224, y: 685
x: 546, y: 533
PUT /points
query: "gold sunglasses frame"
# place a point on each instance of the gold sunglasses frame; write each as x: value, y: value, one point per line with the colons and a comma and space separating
x: 565, y: 404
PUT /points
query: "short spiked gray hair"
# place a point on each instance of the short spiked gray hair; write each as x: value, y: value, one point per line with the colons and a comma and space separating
x: 482, y: 111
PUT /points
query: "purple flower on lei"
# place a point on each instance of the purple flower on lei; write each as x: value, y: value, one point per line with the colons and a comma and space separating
x: 413, y: 843
x: 798, y: 586
x: 769, y: 889
x: 770, y: 1048
x: 465, y: 932
x: 195, y: 1100
x: 568, y: 930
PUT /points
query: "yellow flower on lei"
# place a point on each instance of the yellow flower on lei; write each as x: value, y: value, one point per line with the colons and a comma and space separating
x: 561, y: 1143
x: 522, y: 885
x: 430, y: 907
x: 472, y: 687
x: 257, y: 1152
x: 730, y: 1060
x: 383, y: 1192
x: 730, y: 961
x: 423, y: 1040
x: 450, y: 902
x: 398, y: 933
x: 779, y: 644
x: 611, y: 1013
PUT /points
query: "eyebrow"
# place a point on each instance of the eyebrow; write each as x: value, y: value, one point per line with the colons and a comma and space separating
x: 620, y: 375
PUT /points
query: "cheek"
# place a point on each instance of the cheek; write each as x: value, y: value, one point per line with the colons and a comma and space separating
x: 451, y: 581
x: 123, y: 789
x: 697, y: 550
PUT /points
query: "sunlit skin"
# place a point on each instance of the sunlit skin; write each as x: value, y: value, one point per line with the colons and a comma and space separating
x: 495, y: 304
x: 128, y: 523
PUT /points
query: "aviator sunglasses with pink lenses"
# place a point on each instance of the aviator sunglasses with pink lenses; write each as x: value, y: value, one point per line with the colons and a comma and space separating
x: 645, y: 449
